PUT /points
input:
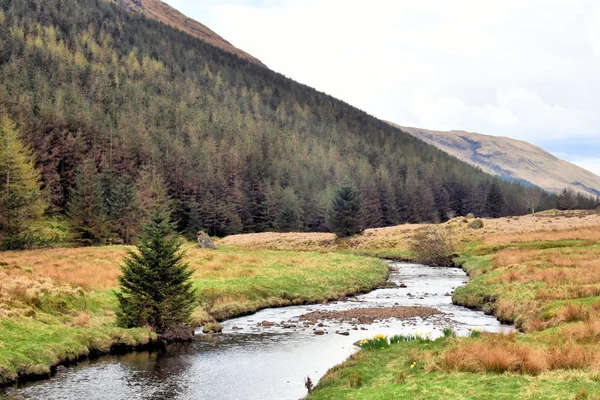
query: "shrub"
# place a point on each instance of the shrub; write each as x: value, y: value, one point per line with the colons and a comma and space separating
x: 433, y: 247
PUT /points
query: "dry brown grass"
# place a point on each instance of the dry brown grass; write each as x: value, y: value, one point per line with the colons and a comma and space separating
x: 493, y: 353
x: 99, y: 267
x: 500, y: 353
x: 89, y: 267
x: 397, y: 239
x: 21, y: 291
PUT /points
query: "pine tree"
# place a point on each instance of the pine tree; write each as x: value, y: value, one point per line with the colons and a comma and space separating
x: 152, y: 193
x: 155, y: 286
x: 344, y: 217
x: 495, y: 203
x: 287, y: 219
x: 85, y: 210
x: 194, y: 220
x: 567, y: 200
x: 21, y: 202
x: 120, y: 206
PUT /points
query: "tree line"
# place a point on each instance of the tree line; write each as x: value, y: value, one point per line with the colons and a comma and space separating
x: 121, y: 112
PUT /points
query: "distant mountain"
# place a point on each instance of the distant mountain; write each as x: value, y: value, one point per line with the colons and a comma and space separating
x: 156, y: 9
x: 512, y: 159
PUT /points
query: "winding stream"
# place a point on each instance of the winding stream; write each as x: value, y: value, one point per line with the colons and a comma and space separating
x: 256, y: 362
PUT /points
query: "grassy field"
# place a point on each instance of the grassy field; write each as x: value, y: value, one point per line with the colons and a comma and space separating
x: 545, y: 280
x: 395, y: 242
x: 541, y: 273
x: 58, y: 304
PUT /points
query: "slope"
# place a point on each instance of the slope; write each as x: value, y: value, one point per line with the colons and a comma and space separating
x: 148, y: 109
x: 164, y: 13
x: 512, y: 159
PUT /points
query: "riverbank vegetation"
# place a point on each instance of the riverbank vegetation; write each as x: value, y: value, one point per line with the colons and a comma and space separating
x: 59, y: 304
x: 545, y: 280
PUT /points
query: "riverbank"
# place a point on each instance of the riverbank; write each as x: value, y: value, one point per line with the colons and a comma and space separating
x: 546, y: 282
x: 57, y: 305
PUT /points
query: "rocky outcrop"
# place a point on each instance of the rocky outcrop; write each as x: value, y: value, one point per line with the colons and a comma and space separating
x: 205, y: 242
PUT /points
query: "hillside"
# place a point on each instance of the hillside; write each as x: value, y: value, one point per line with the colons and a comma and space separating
x: 166, y: 14
x: 121, y: 110
x: 512, y: 159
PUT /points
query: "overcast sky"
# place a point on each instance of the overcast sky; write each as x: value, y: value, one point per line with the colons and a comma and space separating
x: 527, y: 69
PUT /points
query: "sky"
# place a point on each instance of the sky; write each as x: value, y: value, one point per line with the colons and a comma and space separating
x: 526, y: 69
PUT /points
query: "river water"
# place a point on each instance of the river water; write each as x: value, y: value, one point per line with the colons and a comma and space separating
x: 249, y: 361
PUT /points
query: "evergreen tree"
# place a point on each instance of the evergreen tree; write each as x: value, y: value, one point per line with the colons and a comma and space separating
x: 344, y: 217
x: 495, y: 203
x: 152, y: 193
x: 155, y: 286
x: 194, y: 220
x: 85, y: 210
x: 21, y: 201
x: 287, y: 219
x: 567, y: 200
x: 120, y: 206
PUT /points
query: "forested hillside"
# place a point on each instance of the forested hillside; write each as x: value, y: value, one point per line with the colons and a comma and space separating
x: 120, y: 110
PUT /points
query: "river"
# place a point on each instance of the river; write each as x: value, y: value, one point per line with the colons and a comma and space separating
x: 256, y: 362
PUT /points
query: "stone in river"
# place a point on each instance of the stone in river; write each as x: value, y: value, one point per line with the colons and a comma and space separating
x: 319, y: 332
x: 343, y: 333
x: 267, y: 324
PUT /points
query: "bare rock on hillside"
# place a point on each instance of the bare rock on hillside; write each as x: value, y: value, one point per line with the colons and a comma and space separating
x: 205, y: 242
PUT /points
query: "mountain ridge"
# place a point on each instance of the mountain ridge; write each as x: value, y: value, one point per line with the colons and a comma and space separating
x: 511, y: 159
x: 162, y: 12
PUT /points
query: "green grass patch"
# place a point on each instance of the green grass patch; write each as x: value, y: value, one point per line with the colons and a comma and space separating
x: 44, y: 322
x: 397, y: 372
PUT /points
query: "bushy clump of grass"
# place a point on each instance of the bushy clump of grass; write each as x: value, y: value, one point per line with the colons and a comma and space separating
x: 375, y: 343
x: 422, y: 337
x: 475, y: 333
x: 355, y: 379
x: 448, y: 333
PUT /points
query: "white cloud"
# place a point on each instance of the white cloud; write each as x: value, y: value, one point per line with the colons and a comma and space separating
x: 521, y: 68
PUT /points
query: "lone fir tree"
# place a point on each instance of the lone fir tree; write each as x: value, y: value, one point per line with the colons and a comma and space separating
x: 344, y: 216
x: 155, y: 285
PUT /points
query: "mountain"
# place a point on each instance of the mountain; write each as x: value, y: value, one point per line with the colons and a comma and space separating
x: 512, y: 159
x: 164, y: 13
x: 121, y: 110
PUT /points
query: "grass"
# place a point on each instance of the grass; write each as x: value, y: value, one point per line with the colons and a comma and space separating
x: 540, y: 272
x: 545, y: 281
x: 409, y: 370
x: 58, y: 304
x: 395, y: 242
